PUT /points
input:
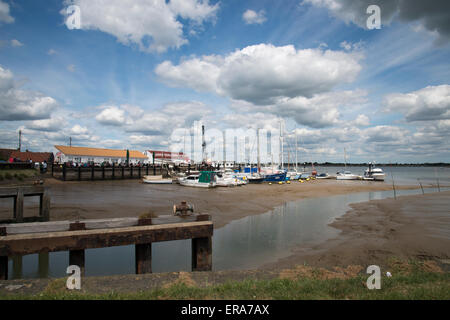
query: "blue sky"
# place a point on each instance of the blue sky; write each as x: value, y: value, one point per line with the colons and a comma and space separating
x: 136, y: 70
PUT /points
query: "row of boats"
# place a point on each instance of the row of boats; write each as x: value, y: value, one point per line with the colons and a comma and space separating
x: 230, y: 178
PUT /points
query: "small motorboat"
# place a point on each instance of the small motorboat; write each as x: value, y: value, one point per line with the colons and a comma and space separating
x: 156, y: 180
x: 374, y: 174
x: 206, y: 179
x: 323, y: 176
x: 347, y: 175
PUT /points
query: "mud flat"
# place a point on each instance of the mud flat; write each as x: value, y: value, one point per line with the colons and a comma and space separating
x: 375, y: 232
x: 112, y: 199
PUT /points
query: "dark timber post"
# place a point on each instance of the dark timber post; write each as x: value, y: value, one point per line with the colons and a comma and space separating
x: 123, y: 172
x: 18, y: 206
x: 131, y: 171
x: 3, y: 268
x: 76, y: 257
x: 79, y: 173
x: 139, y: 172
x: 154, y: 169
x: 44, y: 206
x: 113, y: 172
x: 202, y: 254
x: 64, y: 172
x: 3, y: 260
x: 146, y: 172
x: 143, y: 257
x: 92, y: 172
x: 103, y: 172
x: 53, y: 165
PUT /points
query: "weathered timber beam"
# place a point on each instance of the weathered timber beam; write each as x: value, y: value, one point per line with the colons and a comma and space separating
x: 23, y: 244
x: 93, y: 224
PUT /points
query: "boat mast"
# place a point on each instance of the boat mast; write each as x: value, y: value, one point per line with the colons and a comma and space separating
x: 258, y: 156
x: 296, y: 151
x: 345, y: 159
x: 281, y: 148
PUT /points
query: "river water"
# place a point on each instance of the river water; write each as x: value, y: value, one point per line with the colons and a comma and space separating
x: 242, y: 244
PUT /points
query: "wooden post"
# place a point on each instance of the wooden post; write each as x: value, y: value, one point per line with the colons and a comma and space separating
x: 202, y: 254
x: 17, y: 267
x: 53, y: 165
x: 143, y: 257
x: 44, y: 206
x: 113, y: 175
x: 146, y: 172
x: 79, y: 173
x: 131, y: 171
x: 123, y: 172
x: 92, y: 172
x: 18, y: 206
x: 64, y: 171
x: 43, y: 263
x: 103, y: 172
x: 3, y: 268
x: 76, y: 257
x: 139, y: 172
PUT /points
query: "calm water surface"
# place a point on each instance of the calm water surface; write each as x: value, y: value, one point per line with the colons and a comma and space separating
x: 242, y: 244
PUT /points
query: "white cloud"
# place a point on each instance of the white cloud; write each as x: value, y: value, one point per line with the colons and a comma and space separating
x: 253, y: 17
x: 50, y: 125
x: 361, y: 121
x: 71, y: 68
x: 112, y: 116
x: 16, y: 104
x: 151, y: 25
x: 5, y: 15
x: 16, y: 43
x: 262, y: 74
x: 52, y: 52
x: 430, y: 103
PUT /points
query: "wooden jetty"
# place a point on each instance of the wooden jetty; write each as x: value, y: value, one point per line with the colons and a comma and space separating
x: 76, y: 237
x: 18, y: 194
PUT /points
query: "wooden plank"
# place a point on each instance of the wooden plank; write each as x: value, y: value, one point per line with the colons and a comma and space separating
x: 3, y: 268
x: 18, y: 208
x: 202, y: 254
x: 76, y: 258
x: 93, y: 224
x: 23, y: 244
x: 143, y: 258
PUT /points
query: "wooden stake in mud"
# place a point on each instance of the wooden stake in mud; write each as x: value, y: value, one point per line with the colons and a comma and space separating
x: 423, y: 192
x: 393, y: 186
x: 18, y: 206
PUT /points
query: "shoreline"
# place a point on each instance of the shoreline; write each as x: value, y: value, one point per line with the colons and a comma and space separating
x: 377, y: 231
x: 130, y: 198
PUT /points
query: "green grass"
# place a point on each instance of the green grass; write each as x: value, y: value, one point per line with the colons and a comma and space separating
x: 417, y: 285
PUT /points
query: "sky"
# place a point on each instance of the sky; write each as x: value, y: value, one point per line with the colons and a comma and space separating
x: 127, y: 74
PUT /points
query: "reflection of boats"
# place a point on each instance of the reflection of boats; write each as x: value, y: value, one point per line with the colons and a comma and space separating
x: 375, y: 174
x: 347, y: 175
x: 156, y: 180
x: 206, y: 179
